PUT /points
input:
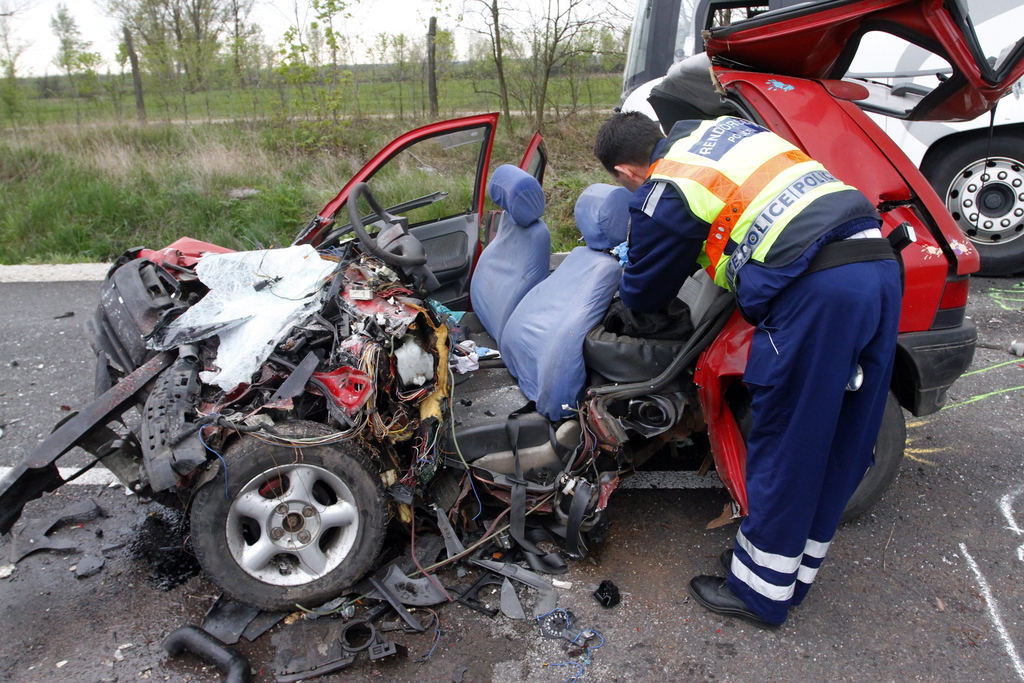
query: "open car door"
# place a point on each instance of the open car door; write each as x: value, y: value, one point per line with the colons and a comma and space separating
x: 434, y: 176
x: 535, y: 158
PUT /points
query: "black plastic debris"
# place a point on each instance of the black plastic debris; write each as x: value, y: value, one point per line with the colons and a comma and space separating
x: 510, y: 605
x: 607, y: 594
x: 307, y: 649
x: 419, y: 592
x: 227, y: 619
x: 32, y: 534
x: 198, y: 641
x: 263, y: 622
x: 90, y: 565
x: 470, y: 597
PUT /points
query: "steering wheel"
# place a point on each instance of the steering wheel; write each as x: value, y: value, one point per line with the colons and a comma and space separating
x: 394, y: 244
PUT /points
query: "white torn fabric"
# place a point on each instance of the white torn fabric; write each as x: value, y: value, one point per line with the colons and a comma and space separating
x: 466, y: 359
x: 290, y: 285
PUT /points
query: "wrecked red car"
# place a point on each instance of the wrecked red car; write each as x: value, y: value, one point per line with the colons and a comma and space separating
x: 388, y: 372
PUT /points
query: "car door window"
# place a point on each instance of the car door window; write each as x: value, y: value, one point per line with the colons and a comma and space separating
x: 445, y: 163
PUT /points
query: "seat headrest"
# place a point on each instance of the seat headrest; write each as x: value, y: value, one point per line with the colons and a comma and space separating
x: 518, y: 193
x: 602, y: 215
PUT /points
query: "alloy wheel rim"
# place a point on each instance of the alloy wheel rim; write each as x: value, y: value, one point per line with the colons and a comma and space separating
x: 292, y: 524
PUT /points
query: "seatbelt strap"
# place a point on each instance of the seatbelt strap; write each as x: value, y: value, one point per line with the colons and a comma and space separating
x: 580, y: 499
x: 517, y: 518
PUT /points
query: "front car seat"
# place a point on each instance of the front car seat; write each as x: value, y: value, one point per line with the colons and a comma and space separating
x: 543, y: 340
x: 520, y: 254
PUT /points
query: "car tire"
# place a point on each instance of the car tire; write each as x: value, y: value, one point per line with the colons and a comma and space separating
x: 997, y: 230
x: 293, y: 526
x: 892, y: 438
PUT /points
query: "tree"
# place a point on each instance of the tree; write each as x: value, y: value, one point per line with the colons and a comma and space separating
x: 11, y: 8
x: 241, y: 33
x: 432, y: 65
x: 491, y: 13
x: 178, y: 40
x: 399, y: 47
x: 552, y: 43
x: 11, y: 96
x: 133, y: 59
x: 73, y: 56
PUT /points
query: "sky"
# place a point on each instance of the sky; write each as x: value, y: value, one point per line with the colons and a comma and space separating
x: 370, y: 17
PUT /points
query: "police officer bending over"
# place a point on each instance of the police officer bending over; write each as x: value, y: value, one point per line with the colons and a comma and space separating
x: 774, y: 226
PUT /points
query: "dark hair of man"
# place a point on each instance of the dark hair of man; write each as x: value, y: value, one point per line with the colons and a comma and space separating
x: 626, y: 138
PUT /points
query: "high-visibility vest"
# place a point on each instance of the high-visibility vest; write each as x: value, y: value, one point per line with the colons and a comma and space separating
x: 750, y: 185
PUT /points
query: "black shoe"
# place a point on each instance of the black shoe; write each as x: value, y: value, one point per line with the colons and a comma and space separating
x: 725, y: 559
x: 714, y: 594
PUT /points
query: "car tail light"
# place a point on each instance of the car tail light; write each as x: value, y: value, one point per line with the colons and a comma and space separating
x: 953, y: 304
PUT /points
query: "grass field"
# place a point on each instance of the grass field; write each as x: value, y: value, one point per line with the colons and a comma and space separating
x: 86, y: 193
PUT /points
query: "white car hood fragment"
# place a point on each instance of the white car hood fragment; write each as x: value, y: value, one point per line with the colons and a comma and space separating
x: 289, y: 281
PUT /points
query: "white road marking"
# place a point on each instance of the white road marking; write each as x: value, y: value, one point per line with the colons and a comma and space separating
x: 58, y: 272
x: 993, y: 612
x: 97, y: 476
x: 1006, y: 506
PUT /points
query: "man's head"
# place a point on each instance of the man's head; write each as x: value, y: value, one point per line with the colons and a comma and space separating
x: 624, y: 146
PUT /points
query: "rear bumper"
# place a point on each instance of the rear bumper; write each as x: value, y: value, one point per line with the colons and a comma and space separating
x: 927, y: 364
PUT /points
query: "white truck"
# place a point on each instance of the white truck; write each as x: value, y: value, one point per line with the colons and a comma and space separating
x: 976, y: 166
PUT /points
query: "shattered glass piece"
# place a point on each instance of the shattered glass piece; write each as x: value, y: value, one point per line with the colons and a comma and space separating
x: 276, y: 288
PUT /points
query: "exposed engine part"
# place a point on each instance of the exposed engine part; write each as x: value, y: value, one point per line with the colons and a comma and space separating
x: 415, y: 365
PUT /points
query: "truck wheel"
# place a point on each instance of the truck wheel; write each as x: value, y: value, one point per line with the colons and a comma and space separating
x: 983, y: 188
x: 295, y: 526
x: 888, y: 453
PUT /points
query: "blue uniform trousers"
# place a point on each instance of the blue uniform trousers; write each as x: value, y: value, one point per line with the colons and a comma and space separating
x: 811, y: 441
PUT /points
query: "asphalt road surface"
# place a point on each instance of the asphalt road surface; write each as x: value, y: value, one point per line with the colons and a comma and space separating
x: 926, y: 586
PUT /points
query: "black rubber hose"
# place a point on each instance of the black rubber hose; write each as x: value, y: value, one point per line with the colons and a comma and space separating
x: 701, y: 338
x: 211, y: 649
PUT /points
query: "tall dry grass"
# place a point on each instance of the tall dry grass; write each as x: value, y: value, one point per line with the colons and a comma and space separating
x: 87, y: 193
